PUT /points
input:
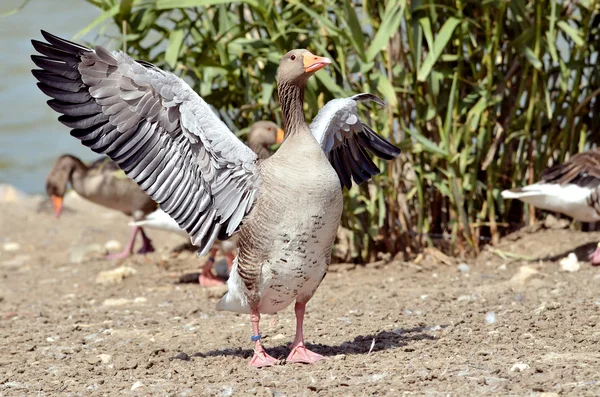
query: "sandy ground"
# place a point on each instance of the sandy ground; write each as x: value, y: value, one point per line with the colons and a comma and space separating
x: 435, y: 327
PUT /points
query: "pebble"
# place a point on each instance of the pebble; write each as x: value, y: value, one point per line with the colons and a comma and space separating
x: 463, y: 268
x: 490, y: 318
x: 17, y: 261
x: 519, y: 367
x: 278, y: 337
x: 10, y: 194
x: 14, y: 385
x: 11, y: 247
x: 123, y: 363
x: 116, y: 302
x: 570, y: 263
x: 523, y: 275
x: 115, y: 276
x: 105, y: 358
x: 137, y: 385
x: 112, y: 245
x: 226, y: 391
x: 339, y: 357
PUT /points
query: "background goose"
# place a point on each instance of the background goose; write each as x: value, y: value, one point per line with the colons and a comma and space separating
x: 164, y: 136
x: 263, y: 134
x: 571, y: 188
x: 101, y: 183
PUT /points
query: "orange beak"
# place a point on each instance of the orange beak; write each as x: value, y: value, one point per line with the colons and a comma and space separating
x: 57, y: 203
x: 312, y: 63
x: 280, y: 136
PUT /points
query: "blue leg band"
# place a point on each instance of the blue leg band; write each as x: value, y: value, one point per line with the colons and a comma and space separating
x: 254, y: 338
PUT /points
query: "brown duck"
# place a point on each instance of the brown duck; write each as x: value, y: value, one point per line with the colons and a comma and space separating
x: 101, y: 184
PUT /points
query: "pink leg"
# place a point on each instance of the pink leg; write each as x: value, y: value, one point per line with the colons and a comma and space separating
x: 595, y: 257
x: 260, y: 357
x: 146, y: 244
x: 207, y: 278
x: 299, y: 353
x: 129, y: 249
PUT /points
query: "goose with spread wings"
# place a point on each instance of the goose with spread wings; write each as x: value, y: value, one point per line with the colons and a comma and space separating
x: 164, y: 136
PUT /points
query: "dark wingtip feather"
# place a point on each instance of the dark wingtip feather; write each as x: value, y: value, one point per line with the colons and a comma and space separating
x: 63, y: 44
x: 366, y: 97
x: 341, y: 169
x: 377, y: 145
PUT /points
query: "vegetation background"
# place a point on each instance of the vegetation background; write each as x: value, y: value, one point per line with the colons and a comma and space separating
x: 481, y: 95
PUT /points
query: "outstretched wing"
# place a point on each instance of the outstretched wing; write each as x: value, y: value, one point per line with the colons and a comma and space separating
x: 583, y: 169
x: 157, y: 129
x: 345, y: 139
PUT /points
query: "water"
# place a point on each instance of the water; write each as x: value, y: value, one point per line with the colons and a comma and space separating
x: 31, y: 138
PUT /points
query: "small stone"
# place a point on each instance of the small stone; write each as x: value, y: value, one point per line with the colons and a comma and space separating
x: 93, y: 360
x: 523, y: 275
x: 17, y: 261
x: 551, y: 222
x: 105, y: 358
x: 11, y: 247
x: 115, y: 276
x: 570, y: 263
x: 116, y: 302
x: 463, y: 268
x: 137, y: 385
x: 140, y: 299
x: 122, y: 363
x: 519, y: 367
x: 181, y: 356
x: 502, y: 267
x: 339, y: 357
x: 14, y: 385
x: 112, y: 245
x: 490, y: 318
x: 278, y: 337
x: 226, y: 391
x: 10, y: 194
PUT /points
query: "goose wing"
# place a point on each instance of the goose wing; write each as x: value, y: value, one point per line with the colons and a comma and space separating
x: 583, y: 170
x: 346, y: 139
x: 157, y: 129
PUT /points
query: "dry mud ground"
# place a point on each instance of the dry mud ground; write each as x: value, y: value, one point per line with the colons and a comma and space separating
x: 396, y: 329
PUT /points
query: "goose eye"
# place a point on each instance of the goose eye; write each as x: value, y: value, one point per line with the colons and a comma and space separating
x: 293, y: 57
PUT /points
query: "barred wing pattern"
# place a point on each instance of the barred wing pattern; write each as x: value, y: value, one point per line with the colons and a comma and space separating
x: 345, y: 139
x: 157, y: 129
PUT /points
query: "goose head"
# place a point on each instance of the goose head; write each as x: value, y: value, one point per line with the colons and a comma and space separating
x: 58, y: 178
x: 265, y: 133
x: 295, y: 68
x: 298, y: 65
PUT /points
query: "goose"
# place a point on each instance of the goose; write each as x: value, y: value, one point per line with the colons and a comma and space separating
x: 100, y: 183
x: 262, y: 135
x: 571, y: 188
x: 163, y: 135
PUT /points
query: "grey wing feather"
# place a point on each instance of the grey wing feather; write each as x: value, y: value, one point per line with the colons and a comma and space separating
x: 157, y: 129
x: 345, y: 139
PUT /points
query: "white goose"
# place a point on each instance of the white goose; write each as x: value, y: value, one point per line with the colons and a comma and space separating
x: 571, y: 188
x: 163, y: 135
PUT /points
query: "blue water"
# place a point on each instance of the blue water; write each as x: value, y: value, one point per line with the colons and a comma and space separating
x: 31, y: 138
